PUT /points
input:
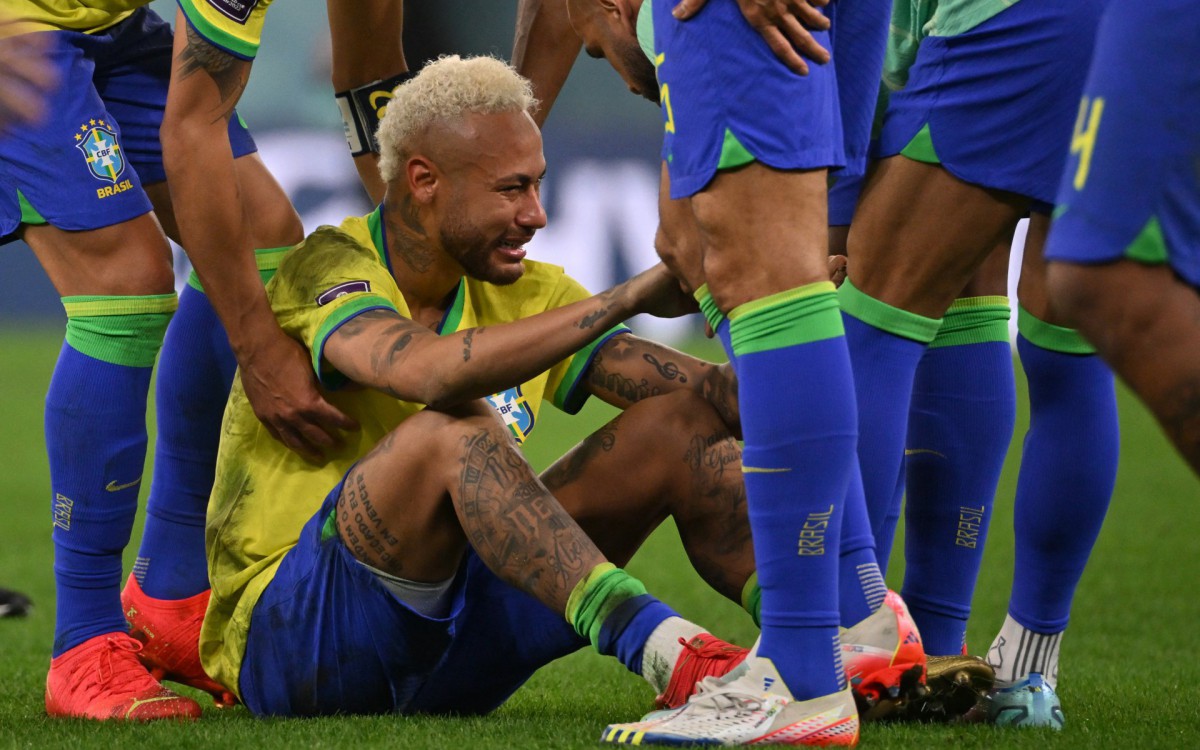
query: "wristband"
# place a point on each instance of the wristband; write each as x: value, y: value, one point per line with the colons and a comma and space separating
x: 362, y: 108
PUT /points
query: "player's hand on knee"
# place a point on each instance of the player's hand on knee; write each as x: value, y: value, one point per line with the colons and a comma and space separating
x: 281, y: 387
x: 658, y: 292
x: 784, y: 24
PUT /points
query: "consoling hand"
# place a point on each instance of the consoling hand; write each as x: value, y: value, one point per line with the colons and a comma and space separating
x: 784, y: 24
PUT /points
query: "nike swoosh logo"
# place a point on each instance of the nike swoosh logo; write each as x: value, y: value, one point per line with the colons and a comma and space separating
x: 757, y: 470
x: 919, y: 451
x: 114, y: 487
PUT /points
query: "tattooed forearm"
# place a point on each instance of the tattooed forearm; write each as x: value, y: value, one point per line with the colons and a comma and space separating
x: 619, y: 386
x: 468, y: 341
x: 719, y: 388
x: 515, y: 525
x: 225, y: 70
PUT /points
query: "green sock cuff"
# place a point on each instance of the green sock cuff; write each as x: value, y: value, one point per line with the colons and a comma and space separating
x: 974, y: 320
x: 752, y: 598
x: 267, y: 259
x: 708, y: 308
x: 125, y: 330
x: 881, y: 315
x: 595, y: 597
x: 797, y: 316
x: 1051, y: 337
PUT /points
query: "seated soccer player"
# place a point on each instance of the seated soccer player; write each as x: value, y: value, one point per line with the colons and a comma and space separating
x: 425, y: 548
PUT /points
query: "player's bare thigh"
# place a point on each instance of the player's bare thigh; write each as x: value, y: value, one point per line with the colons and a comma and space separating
x: 919, y: 234
x: 763, y: 231
x: 274, y: 222
x: 126, y: 259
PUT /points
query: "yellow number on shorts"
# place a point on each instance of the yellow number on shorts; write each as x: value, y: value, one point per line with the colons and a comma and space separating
x: 664, y: 96
x: 1084, y: 140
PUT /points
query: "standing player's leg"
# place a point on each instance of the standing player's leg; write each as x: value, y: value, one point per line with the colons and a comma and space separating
x: 1068, y: 472
x: 68, y: 181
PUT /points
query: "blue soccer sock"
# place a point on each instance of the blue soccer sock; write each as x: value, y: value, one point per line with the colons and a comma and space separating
x: 886, y: 344
x: 195, y: 373
x: 861, y: 588
x: 798, y: 419
x: 1068, y: 470
x: 95, y: 428
x: 611, y: 609
x: 960, y: 426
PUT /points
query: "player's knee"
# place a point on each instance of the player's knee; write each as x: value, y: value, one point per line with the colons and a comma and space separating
x: 450, y: 430
x: 1075, y: 295
x: 120, y: 330
x: 671, y: 422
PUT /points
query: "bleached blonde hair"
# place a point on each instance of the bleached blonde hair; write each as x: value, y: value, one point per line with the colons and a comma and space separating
x: 445, y: 91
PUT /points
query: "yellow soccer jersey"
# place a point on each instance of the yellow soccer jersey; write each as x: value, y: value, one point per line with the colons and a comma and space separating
x: 233, y: 25
x: 264, y: 493
x: 24, y: 16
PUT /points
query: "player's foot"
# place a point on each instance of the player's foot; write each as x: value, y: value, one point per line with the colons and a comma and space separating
x: 884, y: 660
x: 749, y: 706
x: 169, y: 630
x: 703, y: 656
x: 14, y: 604
x: 955, y: 685
x: 102, y: 679
x: 1029, y: 703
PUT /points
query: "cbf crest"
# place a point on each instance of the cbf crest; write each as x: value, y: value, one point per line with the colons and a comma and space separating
x: 513, y: 408
x: 97, y: 140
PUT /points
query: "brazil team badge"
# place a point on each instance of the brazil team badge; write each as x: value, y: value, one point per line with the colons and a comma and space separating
x: 513, y: 408
x: 98, y: 143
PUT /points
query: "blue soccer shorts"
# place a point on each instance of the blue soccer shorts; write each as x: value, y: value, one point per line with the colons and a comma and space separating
x: 83, y: 166
x: 327, y: 637
x: 995, y: 104
x: 727, y: 100
x: 1131, y: 189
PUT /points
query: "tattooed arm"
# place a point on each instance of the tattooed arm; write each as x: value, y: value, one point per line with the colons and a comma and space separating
x: 383, y: 350
x: 628, y: 369
x: 206, y: 83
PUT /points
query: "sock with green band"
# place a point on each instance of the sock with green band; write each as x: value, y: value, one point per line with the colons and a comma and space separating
x: 960, y: 425
x: 886, y: 344
x: 612, y: 610
x: 95, y: 427
x: 195, y: 373
x: 1068, y: 470
x: 797, y: 404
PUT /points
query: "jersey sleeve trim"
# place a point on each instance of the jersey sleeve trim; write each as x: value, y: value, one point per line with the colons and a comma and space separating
x: 570, y: 396
x: 346, y: 311
x: 218, y: 37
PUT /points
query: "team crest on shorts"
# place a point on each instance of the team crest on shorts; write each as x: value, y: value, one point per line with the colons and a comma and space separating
x: 513, y: 408
x: 97, y: 141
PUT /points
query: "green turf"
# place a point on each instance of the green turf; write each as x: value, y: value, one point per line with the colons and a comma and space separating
x: 1130, y: 674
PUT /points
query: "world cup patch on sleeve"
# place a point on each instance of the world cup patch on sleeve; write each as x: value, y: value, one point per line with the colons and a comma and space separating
x: 238, y: 10
x: 341, y: 290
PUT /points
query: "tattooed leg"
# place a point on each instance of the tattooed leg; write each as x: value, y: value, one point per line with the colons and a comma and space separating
x: 443, y: 479
x: 664, y: 456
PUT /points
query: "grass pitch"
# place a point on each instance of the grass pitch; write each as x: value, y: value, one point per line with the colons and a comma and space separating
x: 1130, y: 674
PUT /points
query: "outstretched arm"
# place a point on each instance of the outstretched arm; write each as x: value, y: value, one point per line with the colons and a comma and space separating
x: 627, y: 369
x: 383, y: 350
x: 206, y: 83
x: 544, y: 49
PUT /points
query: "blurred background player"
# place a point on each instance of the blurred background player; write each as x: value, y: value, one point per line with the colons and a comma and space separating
x: 24, y: 78
x: 962, y: 161
x: 1125, y: 248
x: 79, y: 188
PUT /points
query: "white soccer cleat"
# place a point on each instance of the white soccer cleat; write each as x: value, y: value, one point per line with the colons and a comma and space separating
x: 749, y: 706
